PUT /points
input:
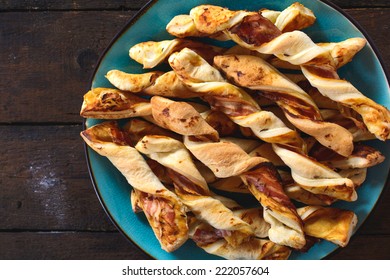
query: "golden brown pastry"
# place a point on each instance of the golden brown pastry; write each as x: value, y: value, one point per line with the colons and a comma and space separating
x: 132, y: 82
x: 165, y: 212
x: 341, y: 52
x: 316, y: 177
x: 294, y: 17
x: 180, y: 117
x: 375, y: 116
x: 151, y: 83
x: 152, y: 53
x: 108, y: 103
x: 209, y: 240
x: 353, y: 123
x: 363, y: 156
x: 332, y: 224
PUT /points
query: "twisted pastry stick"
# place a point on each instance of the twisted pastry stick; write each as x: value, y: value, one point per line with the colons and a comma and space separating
x: 253, y: 31
x: 152, y: 83
x: 201, y: 77
x: 192, y: 189
x: 290, y: 187
x: 227, y: 159
x: 333, y: 224
x: 150, y: 53
x: 363, y: 156
x: 212, y: 241
x: 376, y: 117
x: 253, y: 216
x: 357, y: 128
x: 253, y: 249
x: 341, y: 53
x: 297, y: 48
x: 316, y: 177
x: 107, y: 103
x: 294, y: 17
x: 254, y: 73
x: 335, y: 112
x: 163, y: 209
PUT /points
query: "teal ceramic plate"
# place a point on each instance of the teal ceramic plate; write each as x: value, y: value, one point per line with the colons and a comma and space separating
x: 365, y: 72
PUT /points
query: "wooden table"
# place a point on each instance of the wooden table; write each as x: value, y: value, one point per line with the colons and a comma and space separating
x: 48, y: 207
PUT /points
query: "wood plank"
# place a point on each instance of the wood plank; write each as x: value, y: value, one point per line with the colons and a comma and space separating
x: 46, y: 71
x: 67, y: 246
x: 372, y: 21
x: 135, y: 4
x: 377, y: 220
x: 95, y: 245
x: 364, y: 247
x: 45, y: 186
x: 360, y: 3
x: 71, y: 5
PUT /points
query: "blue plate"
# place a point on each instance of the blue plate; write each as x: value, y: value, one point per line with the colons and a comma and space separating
x: 365, y: 72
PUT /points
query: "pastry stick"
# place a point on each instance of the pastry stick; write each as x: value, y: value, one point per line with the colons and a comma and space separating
x: 354, y: 125
x: 316, y: 177
x: 209, y: 240
x: 375, y: 116
x: 163, y: 209
x: 151, y: 53
x: 341, y: 52
x: 294, y: 17
x: 335, y: 112
x: 192, y: 188
x: 295, y: 46
x: 150, y: 83
x: 332, y: 224
x: 108, y: 103
x: 227, y: 159
x: 363, y: 156
x: 253, y: 216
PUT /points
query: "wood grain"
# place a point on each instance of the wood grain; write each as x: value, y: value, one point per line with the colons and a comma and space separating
x: 47, y: 70
x: 67, y: 246
x: 364, y: 247
x: 94, y: 245
x: 44, y: 185
x: 134, y: 4
x: 71, y: 5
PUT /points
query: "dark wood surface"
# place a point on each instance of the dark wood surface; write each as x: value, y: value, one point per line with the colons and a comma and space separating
x: 48, y: 207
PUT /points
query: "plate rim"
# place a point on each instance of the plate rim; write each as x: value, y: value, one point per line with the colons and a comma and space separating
x: 128, y: 24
